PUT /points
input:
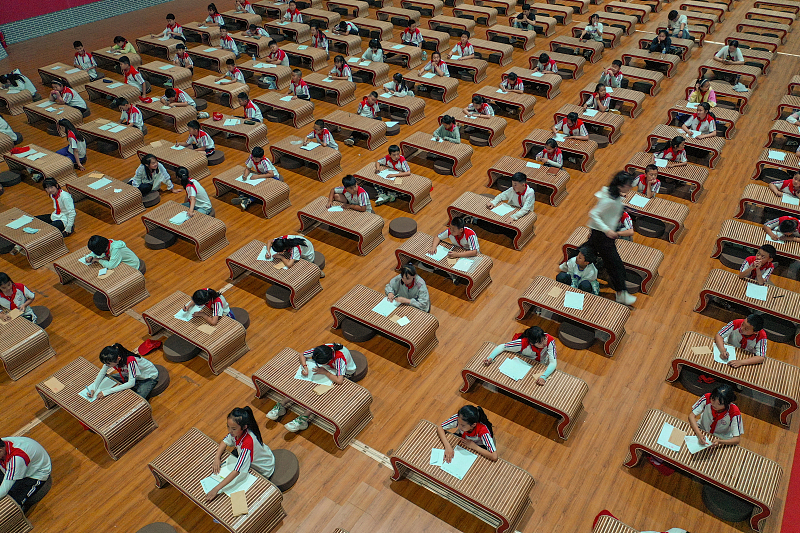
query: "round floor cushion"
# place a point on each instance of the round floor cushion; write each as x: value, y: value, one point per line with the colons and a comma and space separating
x: 6, y: 246
x: 576, y: 336
x: 43, y: 316
x: 402, y: 227
x: 158, y: 239
x: 650, y: 227
x: 157, y: 527
x: 163, y: 381
x: 778, y: 329
x: 601, y: 140
x: 362, y: 366
x: 277, y: 115
x: 476, y: 139
x: 177, y: 350
x: 216, y: 158
x: 200, y: 104
x: 142, y: 267
x: 10, y: 178
x: 241, y: 316
x: 287, y: 469
x: 319, y: 259
x: 725, y: 505
x: 100, y: 301
x: 278, y: 297
x: 291, y: 163
x: 356, y: 331
x: 86, y: 112
x: 733, y: 256
x: 152, y: 198
x: 690, y: 379
x: 443, y: 166
x: 633, y: 281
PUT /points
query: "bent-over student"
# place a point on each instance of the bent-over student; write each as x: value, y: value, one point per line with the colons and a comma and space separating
x: 757, y: 268
x: 321, y: 135
x: 199, y: 140
x: 519, y: 195
x: 16, y: 80
x: 479, y: 108
x: 448, y: 131
x: 545, y: 64
x: 551, y: 155
x: 675, y: 153
x: 135, y: 372
x: 408, y: 288
x: 716, y: 413
x: 345, y: 28
x: 174, y: 97
x: 512, y: 84
x: 196, y: 196
x: 250, y: 109
x: 122, y: 45
x: 580, y: 271
x: 533, y: 343
x: 130, y: 115
x: 25, y: 466
x: 351, y: 194
x: 397, y: 87
x: 290, y: 249
x: 15, y: 296
x: 258, y: 167
x: 460, y: 235
x: 109, y: 253
x: 790, y: 187
x: 475, y: 430
x: 783, y: 229
x: 213, y: 306
x: 747, y: 334
x: 648, y: 183
x: 150, y: 175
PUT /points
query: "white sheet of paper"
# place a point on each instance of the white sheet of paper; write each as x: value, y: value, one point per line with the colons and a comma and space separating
x: 102, y: 272
x: 177, y: 147
x: 461, y: 463
x: 115, y: 85
x: 639, y: 201
x: 767, y: 238
x: 107, y: 126
x: 46, y: 103
x: 464, y: 264
x: 695, y: 134
x: 210, y: 50
x: 437, y: 457
x: 501, y: 91
x: 252, y: 183
x: 239, y: 483
x: 757, y: 292
x: 428, y: 75
x: 777, y: 156
x: 441, y: 253
x: 692, y: 105
x: 165, y: 67
x: 36, y: 156
x: 398, y: 47
x: 537, y: 74
x: 18, y: 223
x: 84, y: 260
x: 231, y: 122
x: 503, y: 209
x: 186, y: 316
x: 391, y: 124
x: 328, y: 80
x: 560, y: 137
x: 515, y: 368
x: 663, y: 438
x: 55, y: 68
x: 533, y: 165
x: 385, y: 307
x: 302, y: 47
x: 402, y: 321
x: 365, y: 63
x: 180, y: 218
x: 319, y: 379
x: 353, y: 60
x: 573, y: 300
x: 117, y: 190
x: 105, y: 385
x: 72, y: 71
x: 789, y: 199
x: 269, y: 65
x: 165, y: 38
x: 30, y: 230
x: 265, y: 255
x: 50, y: 109
x: 791, y: 120
x: 287, y: 98
x: 609, y: 90
x: 385, y: 173
x: 336, y: 209
x: 116, y: 129
x: 310, y: 146
x: 590, y: 112
x: 693, y: 445
x: 728, y: 348
x: 661, y: 163
x: 386, y: 95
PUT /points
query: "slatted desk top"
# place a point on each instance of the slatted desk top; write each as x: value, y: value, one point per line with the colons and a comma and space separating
x: 412, y: 54
x: 478, y: 12
x: 168, y: 47
x: 525, y: 39
x: 607, y: 524
x: 375, y: 130
x: 253, y: 134
x: 640, y: 11
x: 416, y: 186
x: 525, y: 102
x: 726, y: 116
x: 206, y: 232
x: 495, y: 126
x: 273, y: 194
x: 474, y: 205
x: 345, y: 90
x: 376, y: 70
x: 99, y: 89
x: 240, y: 17
x: 612, y: 33
x: 232, y: 89
x: 448, y: 86
x: 42, y: 247
x: 179, y: 116
x: 357, y: 7
x: 23, y: 347
x: 460, y: 154
x: 181, y: 77
x: 790, y: 162
x: 280, y: 74
x: 662, y: 209
x: 384, y: 29
x: 368, y: 227
x: 213, y: 54
x: 694, y: 175
x: 413, y: 106
x: 52, y: 165
x: 327, y: 160
x: 761, y: 195
x: 563, y: 61
x: 535, y: 173
x: 72, y: 76
x: 294, y: 31
x: 714, y: 145
x: 39, y: 111
x: 128, y: 140
x: 671, y: 61
x: 584, y: 149
x: 14, y: 520
x: 317, y: 57
x: 610, y: 121
x: 595, y: 48
x: 749, y: 73
x: 752, y: 236
x: 209, y: 34
x: 107, y: 56
x: 628, y: 96
x: 350, y: 43
x: 451, y: 22
x: 751, y: 39
x: 14, y: 101
x: 645, y: 76
x: 302, y: 111
x: 764, y: 28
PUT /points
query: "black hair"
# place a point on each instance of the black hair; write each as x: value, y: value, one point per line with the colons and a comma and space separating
x: 242, y: 96
x: 706, y: 106
x: 111, y: 354
x: 338, y: 59
x: 4, y: 278
x: 551, y: 143
x: 12, y: 77
x: 519, y: 177
x: 203, y: 296
x: 170, y: 93
x: 512, y: 76
x: 146, y: 160
x: 757, y: 321
x: 463, y: 33
x: 50, y: 182
x: 271, y: 42
x: 252, y: 27
x: 213, y: 7
x: 98, y: 245
x: 119, y: 39
x: 320, y: 123
x: 677, y: 141
x: 617, y: 63
x: 734, y: 43
x: 398, y: 78
x: 67, y: 125
x: 183, y: 176
x: 297, y: 71
x: 257, y: 152
x: 230, y: 62
x: 408, y: 270
x: 672, y: 15
x: 724, y: 393
x: 324, y: 354
x: 598, y: 86
x: 281, y: 245
x: 58, y: 81
x: 702, y: 81
x: 170, y: 16
x: 374, y: 94
x: 375, y: 43
x: 348, y: 181
x: 393, y: 148
x: 193, y: 124
x: 473, y: 414
x: 76, y: 44
x: 620, y: 179
x: 588, y: 253
x: 244, y: 418
x: 544, y: 58
x: 770, y: 250
x: 314, y: 24
x: 572, y: 117
x: 534, y: 334
x: 119, y: 102
x: 125, y: 60
x: 788, y: 226
x: 593, y: 15
x: 526, y: 6
x: 343, y: 25
x: 180, y: 46
x: 458, y: 222
x: 651, y: 166
x: 477, y: 100
x: 447, y: 119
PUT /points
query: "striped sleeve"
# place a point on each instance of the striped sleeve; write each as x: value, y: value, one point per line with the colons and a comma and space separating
x: 559, y: 158
x: 133, y: 368
x: 487, y: 440
x: 363, y: 199
x: 450, y: 423
x: 296, y: 253
x: 699, y: 406
x: 16, y: 469
x: 473, y: 243
x: 513, y: 346
x: 308, y: 353
x: 767, y: 272
x: 773, y: 224
x: 726, y: 331
x: 583, y: 131
x: 245, y: 458
x: 217, y: 307
x: 761, y: 348
x: 737, y: 427
x: 404, y: 166
x: 341, y: 366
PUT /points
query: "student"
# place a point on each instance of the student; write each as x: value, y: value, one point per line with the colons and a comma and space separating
x: 648, y: 183
x: 109, y: 253
x: 599, y: 99
x: 321, y: 135
x: 533, y: 343
x: 25, y: 467
x: 15, y: 296
x: 703, y: 93
x: 448, y: 131
x: 5, y: 129
x: 345, y: 28
x: 76, y: 143
x: 174, y: 97
x: 245, y: 436
x: 135, y: 372
x: 594, y: 30
x: 16, y: 80
x: 580, y: 271
x: 463, y: 50
x: 367, y: 108
x: 790, y: 187
x: 612, y: 76
x: 256, y: 32
x: 519, y: 195
x: 678, y: 25
x: 243, y: 6
x: 196, y: 196
x: 61, y: 94
x: 182, y: 58
x: 675, y: 153
x: 745, y: 333
x: 397, y: 87
x: 727, y: 55
x: 460, y: 235
x: 625, y: 227
x: 293, y: 14
x: 572, y: 127
x: 479, y: 108
x: 719, y: 416
x: 551, y: 155
x: 603, y: 221
x: 130, y: 114
x: 374, y: 52
x: 757, y: 268
x: 436, y: 65
x: 131, y: 76
x: 251, y: 110
x: 475, y: 430
x: 276, y: 55
x: 787, y: 229
x: 84, y: 60
x: 258, y: 167
x: 214, y: 306
x: 526, y: 19
x: 318, y: 38
x: 407, y: 288
x: 395, y: 162
x: 703, y: 121
x: 545, y: 64
x: 150, y: 175
x: 173, y: 29
x: 214, y: 18
x: 199, y: 140
x: 512, y: 84
x: 290, y: 249
x: 226, y: 42
x: 351, y: 195
x: 298, y: 88
x: 341, y: 70
x: 122, y: 45
x: 412, y: 35
x: 661, y: 43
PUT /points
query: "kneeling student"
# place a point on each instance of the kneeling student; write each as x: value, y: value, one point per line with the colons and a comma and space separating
x: 351, y: 194
x: 214, y: 306
x: 135, y: 372
x: 533, y: 343
x: 290, y: 249
x: 475, y: 430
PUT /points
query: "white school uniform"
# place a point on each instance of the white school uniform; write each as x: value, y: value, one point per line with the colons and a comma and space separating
x: 467, y: 241
x: 642, y: 186
x: 344, y: 71
x: 252, y: 454
x: 671, y: 155
x: 350, y: 27
x: 483, y: 109
x: 412, y: 38
x: 135, y: 368
x: 325, y: 138
x: 594, y: 98
x: 219, y: 306
x: 725, y: 53
x: 524, y: 201
x: 399, y: 89
x: 461, y: 50
x: 570, y: 266
x: 196, y: 191
x: 215, y: 19
x: 86, y: 62
x: 72, y: 98
x: 726, y: 425
x: 304, y: 251
x: 300, y: 89
x: 5, y: 129
x: 320, y: 41
x: 479, y: 435
x: 181, y: 96
x: 707, y: 125
x: 766, y: 270
x: 359, y: 198
x: 367, y: 110
x: 78, y: 148
x: 506, y: 85
x: 281, y: 55
x: 578, y: 130
x: 203, y: 140
x: 26, y: 82
x: 442, y: 66
x: 117, y: 252
x: 252, y: 111
x: 755, y: 344
x: 546, y: 355
x: 175, y: 28
x: 401, y: 165
x: 595, y: 31
x: 557, y: 157
x: 776, y: 222
x: 19, y: 294
x: 263, y: 167
x: 229, y: 44
x: 133, y: 78
x: 293, y: 16
x: 183, y: 60
x: 376, y: 56
x: 675, y: 25
x: 24, y: 458
x: 64, y: 207
x: 133, y: 117
x: 609, y: 79
x: 550, y: 66
x: 787, y: 187
x: 156, y: 179
x: 342, y: 363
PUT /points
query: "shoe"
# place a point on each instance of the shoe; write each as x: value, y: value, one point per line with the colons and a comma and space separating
x: 625, y: 298
x: 276, y: 412
x: 321, y: 274
x: 203, y: 114
x: 237, y: 200
x: 16, y: 250
x: 392, y: 198
x: 298, y: 424
x: 382, y: 199
x: 246, y: 203
x: 37, y: 177
x: 349, y: 142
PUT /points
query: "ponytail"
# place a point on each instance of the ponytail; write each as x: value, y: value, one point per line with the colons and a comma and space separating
x: 473, y: 414
x: 245, y: 418
x: 111, y: 354
x: 408, y: 270
x: 282, y: 245
x: 323, y: 353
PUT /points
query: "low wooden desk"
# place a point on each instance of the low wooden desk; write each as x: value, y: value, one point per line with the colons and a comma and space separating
x: 782, y: 128
x: 108, y: 92
x: 667, y: 211
x: 273, y: 194
x: 595, y: 48
x: 716, y: 9
x: 650, y: 77
x: 158, y: 72
x: 221, y: 348
x: 474, y: 68
x: 417, y: 188
x: 253, y: 134
x: 240, y: 20
x: 748, y: 73
x: 725, y: 90
x: 207, y: 85
x: 108, y: 59
x: 699, y: 33
x: 376, y: 72
x: 124, y: 205
x: 207, y: 57
x: 762, y: 58
x: 315, y: 58
x: 373, y: 28
x: 495, y: 127
x: 326, y: 161
x: 344, y: 90
x: 460, y: 154
x: 769, y: 15
x: 535, y: 141
x: 706, y: 21
x: 735, y: 469
x: 640, y: 11
x: 752, y: 236
x: 537, y: 176
x: 205, y: 232
x: 158, y: 46
x: 754, y: 40
x: 178, y: 116
x: 670, y: 61
x: 13, y: 102
x: 392, y: 14
x: 680, y: 47
x: 474, y: 205
x: 729, y: 117
x: 42, y: 247
x: 270, y: 9
x: 789, y: 164
x: 14, y: 520
x: 416, y: 248
x: 549, y: 80
x: 498, y: 493
x: 760, y: 195
x: 346, y: 44
x: 294, y: 31
x: 608, y: 524
x: 326, y: 19
x: 603, y: 315
x: 195, y: 161
x: 343, y: 411
x: 627, y: 23
x: 68, y: 75
x: 280, y: 75
x: 569, y: 62
x: 38, y: 111
x: 778, y: 5
x: 523, y: 102
x: 524, y: 39
x: 368, y: 227
x: 503, y: 7
x: 127, y: 141
x: 121, y: 419
x: 204, y: 33
x: 420, y: 337
x: 637, y: 257
x: 448, y: 86
x: 773, y: 377
x: 302, y: 279
x: 412, y: 107
x: 493, y: 51
x: 611, y: 123
x: 23, y: 347
x: 447, y: 24
x: 354, y: 8
x: 561, y: 395
x: 562, y: 14
x: 611, y: 34
x: 301, y: 111
x: 412, y: 55
x: 427, y: 8
x: 694, y: 175
x: 764, y: 28
x: 52, y: 165
x: 190, y: 459
x: 486, y: 16
x: 713, y: 145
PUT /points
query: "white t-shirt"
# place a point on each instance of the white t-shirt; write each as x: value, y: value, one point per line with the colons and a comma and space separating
x: 24, y: 458
x: 252, y: 454
x: 196, y: 191
x: 731, y: 54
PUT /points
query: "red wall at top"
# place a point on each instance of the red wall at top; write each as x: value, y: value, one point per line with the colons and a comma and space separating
x: 14, y: 10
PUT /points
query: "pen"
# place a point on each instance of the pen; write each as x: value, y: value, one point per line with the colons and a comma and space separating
x: 778, y: 296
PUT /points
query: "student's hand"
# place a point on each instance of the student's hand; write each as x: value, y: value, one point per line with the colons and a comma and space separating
x: 190, y: 214
x: 81, y: 167
x: 211, y: 495
x: 510, y: 219
x: 187, y: 307
x: 541, y: 381
x: 432, y: 251
x: 216, y: 465
x: 735, y: 364
x: 320, y: 371
x: 487, y: 361
x: 612, y: 234
x: 452, y: 255
x: 448, y: 453
x: 89, y: 392
x: 304, y: 371
x: 402, y: 300
x: 100, y: 395
x: 390, y: 297
x: 701, y: 439
x: 329, y: 205
x: 489, y: 205
x: 777, y: 194
x: 174, y: 190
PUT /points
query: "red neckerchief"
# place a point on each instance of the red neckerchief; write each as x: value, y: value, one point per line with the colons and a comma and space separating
x: 15, y: 287
x: 292, y: 14
x: 359, y: 192
x: 463, y: 46
x: 336, y: 355
x: 133, y: 110
x: 235, y: 71
x: 132, y: 72
x: 321, y: 137
x: 390, y: 161
x: 753, y: 274
x: 183, y: 56
x: 277, y: 54
x: 556, y: 153
x: 340, y: 71
x: 482, y: 108
x: 295, y: 86
x: 12, y: 452
x: 716, y: 417
x: 413, y: 282
x: 521, y: 196
x: 238, y: 442
x: 408, y: 31
x: 108, y: 250
x: 578, y: 125
x: 550, y: 63
x: 122, y: 366
x: 211, y: 303
x: 172, y: 27
x: 67, y: 90
x: 250, y: 105
x: 319, y: 38
x: 84, y: 54
x: 538, y: 351
x: 58, y: 194
x: 643, y: 179
x: 178, y: 92
x: 365, y: 102
x: 397, y: 87
x: 450, y: 127
x: 675, y: 154
x: 707, y: 119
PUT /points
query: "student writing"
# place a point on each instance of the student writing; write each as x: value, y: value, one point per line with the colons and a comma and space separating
x: 533, y: 343
x: 475, y: 430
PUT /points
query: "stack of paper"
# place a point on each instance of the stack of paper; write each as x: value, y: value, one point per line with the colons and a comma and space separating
x: 539, y: 75
x: 165, y: 67
x: 37, y: 155
x: 242, y: 482
x: 692, y: 105
x: 385, y: 307
x: 428, y: 75
x: 287, y: 98
x: 590, y: 112
x: 560, y: 137
x: 503, y: 209
x: 460, y: 464
x: 441, y: 253
x: 775, y: 155
x: 365, y: 63
x: 107, y: 126
x: 671, y: 437
x: 336, y: 209
x: 252, y: 183
x: 386, y: 95
x: 385, y: 173
x: 398, y: 47
x: 639, y: 201
x: 757, y: 292
x: 353, y: 60
x: 116, y: 129
x: 99, y: 183
x: 464, y: 264
x: 177, y: 147
x: 180, y: 218
x: 186, y: 316
x: 72, y: 71
x: 789, y: 199
x: 391, y: 124
x: 210, y: 50
x: 328, y: 80
x: 18, y: 223
x: 30, y: 230
x: 661, y: 163
x: 115, y: 85
x: 515, y: 368
x: 46, y: 103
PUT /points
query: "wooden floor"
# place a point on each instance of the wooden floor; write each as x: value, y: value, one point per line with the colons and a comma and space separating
x: 350, y: 489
